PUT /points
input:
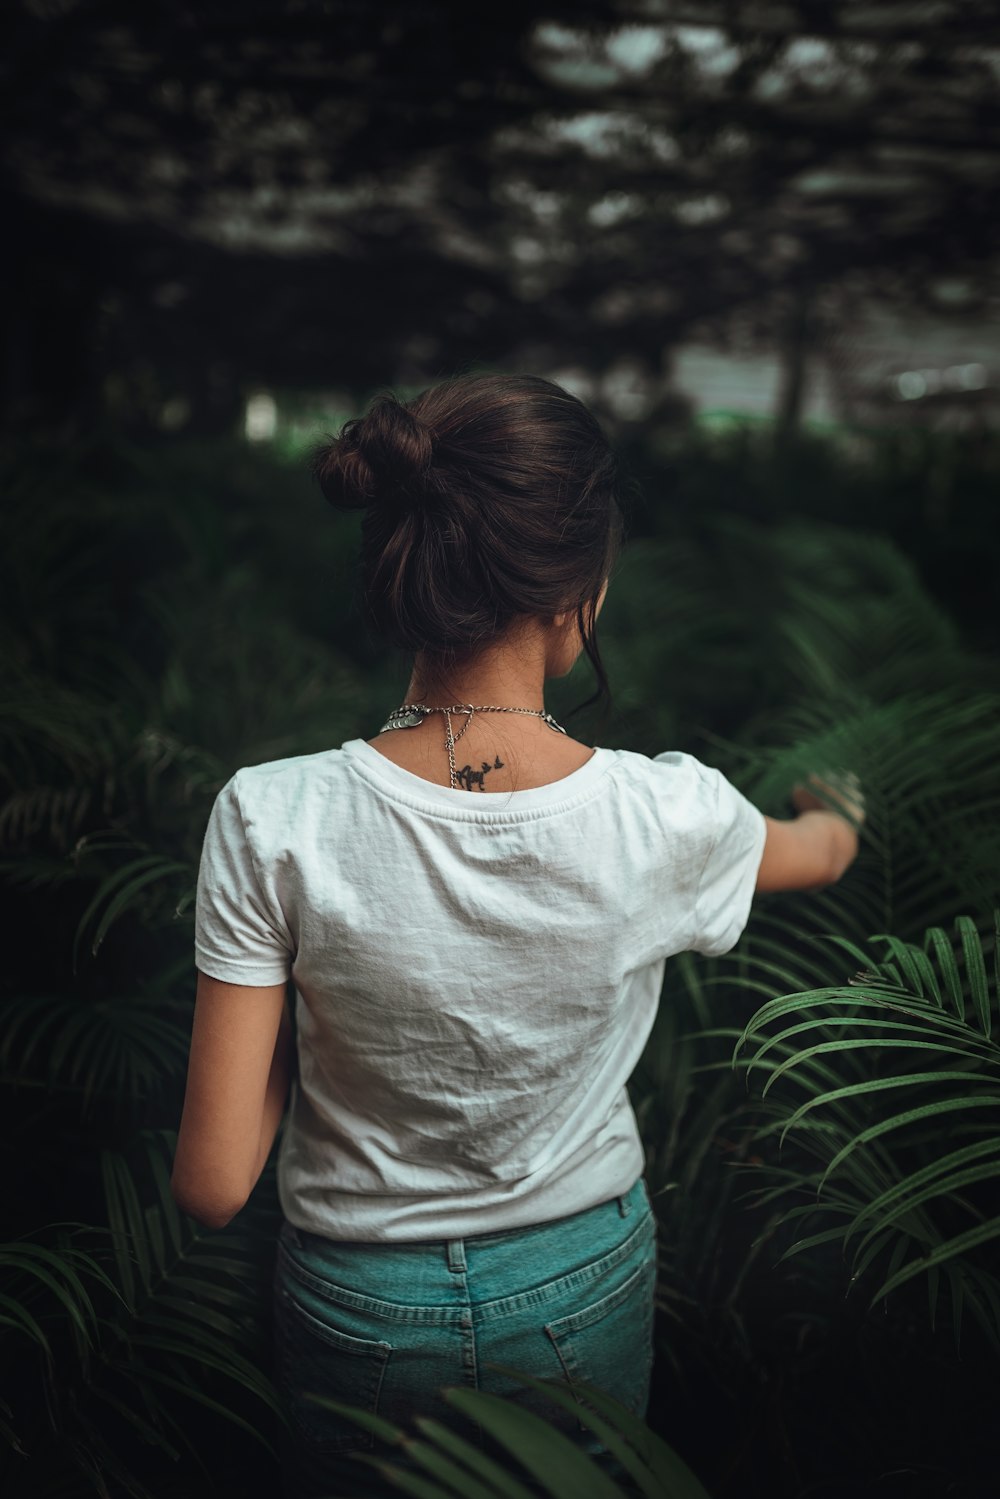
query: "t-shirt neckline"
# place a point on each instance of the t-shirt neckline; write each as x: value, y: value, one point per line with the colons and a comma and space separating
x: 386, y: 775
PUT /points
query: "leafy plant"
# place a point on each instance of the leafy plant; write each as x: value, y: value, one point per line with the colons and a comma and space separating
x: 156, y: 1314
x: 892, y: 1064
x: 446, y: 1465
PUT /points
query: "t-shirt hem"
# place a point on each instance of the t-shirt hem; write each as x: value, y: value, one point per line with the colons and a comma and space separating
x: 240, y: 973
x: 380, y: 1217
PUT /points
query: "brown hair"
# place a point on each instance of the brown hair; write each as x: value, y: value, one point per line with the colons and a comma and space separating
x: 487, y: 497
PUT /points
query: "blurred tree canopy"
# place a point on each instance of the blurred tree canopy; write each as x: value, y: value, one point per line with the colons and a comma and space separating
x: 323, y: 192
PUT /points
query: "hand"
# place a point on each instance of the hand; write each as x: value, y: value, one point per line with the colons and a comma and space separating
x: 843, y: 790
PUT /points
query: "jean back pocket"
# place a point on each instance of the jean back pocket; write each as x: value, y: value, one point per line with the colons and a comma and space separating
x: 609, y: 1344
x: 314, y: 1357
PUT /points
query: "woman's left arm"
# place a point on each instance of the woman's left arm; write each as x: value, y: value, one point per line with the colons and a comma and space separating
x: 239, y: 1072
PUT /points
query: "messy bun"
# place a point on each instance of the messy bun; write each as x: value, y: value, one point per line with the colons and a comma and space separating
x: 486, y: 497
x: 378, y: 458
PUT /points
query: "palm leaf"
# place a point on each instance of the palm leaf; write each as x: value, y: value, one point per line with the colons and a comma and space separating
x: 120, y: 1048
x: 648, y: 1460
x: 119, y: 892
x: 456, y: 1467
x: 895, y: 1192
x: 176, y: 1318
x: 476, y: 1462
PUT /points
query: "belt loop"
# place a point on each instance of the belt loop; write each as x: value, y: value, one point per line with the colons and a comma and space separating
x: 456, y: 1256
x: 624, y: 1207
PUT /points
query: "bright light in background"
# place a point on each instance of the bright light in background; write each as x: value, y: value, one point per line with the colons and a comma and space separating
x: 625, y: 387
x: 261, y: 419
x: 174, y: 413
x: 637, y: 48
x: 703, y: 210
x: 967, y: 376
x: 580, y: 382
x: 713, y: 54
x: 912, y: 384
x: 612, y: 207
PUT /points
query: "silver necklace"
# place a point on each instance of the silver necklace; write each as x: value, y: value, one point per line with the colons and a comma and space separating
x: 409, y: 715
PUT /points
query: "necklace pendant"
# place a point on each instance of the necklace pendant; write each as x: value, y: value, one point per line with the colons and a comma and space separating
x: 404, y: 718
x: 552, y: 723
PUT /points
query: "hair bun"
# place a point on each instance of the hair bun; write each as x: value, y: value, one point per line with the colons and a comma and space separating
x: 396, y: 443
x: 378, y: 458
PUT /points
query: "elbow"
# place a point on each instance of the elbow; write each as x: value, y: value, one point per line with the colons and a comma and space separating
x: 210, y: 1215
x: 211, y: 1218
x: 216, y: 1221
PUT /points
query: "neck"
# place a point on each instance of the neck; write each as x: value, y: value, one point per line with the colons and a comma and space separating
x: 505, y: 676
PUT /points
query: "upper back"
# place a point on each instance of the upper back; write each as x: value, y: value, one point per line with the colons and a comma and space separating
x: 663, y: 851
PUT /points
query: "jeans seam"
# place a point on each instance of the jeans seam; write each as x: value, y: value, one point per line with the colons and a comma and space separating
x: 482, y: 1311
x: 576, y: 1321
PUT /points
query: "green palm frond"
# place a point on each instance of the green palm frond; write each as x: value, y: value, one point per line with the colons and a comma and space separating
x: 46, y: 724
x: 31, y: 1270
x: 536, y: 1456
x: 701, y: 1132
x: 693, y: 1129
x: 840, y: 589
x: 178, y: 1322
x: 124, y: 1048
x: 127, y: 888
x: 58, y: 812
x: 184, y: 1286
x: 887, y: 1066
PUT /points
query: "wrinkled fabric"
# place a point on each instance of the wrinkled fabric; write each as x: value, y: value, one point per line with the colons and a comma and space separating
x: 476, y: 973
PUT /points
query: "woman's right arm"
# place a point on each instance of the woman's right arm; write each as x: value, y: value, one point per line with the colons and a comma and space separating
x: 816, y: 847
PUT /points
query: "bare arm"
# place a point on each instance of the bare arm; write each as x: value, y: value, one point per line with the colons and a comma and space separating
x: 806, y: 852
x: 237, y: 1083
x: 276, y: 1097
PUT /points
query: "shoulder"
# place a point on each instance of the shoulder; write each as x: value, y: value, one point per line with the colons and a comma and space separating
x: 289, y: 769
x: 673, y: 787
x: 272, y: 788
x: 668, y: 770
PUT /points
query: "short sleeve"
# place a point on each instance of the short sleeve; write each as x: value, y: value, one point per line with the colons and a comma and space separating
x: 239, y: 937
x: 729, y: 876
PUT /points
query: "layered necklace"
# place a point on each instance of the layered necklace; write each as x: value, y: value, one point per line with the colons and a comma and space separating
x: 409, y: 715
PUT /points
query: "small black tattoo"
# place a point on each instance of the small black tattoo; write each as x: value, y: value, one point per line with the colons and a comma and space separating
x: 470, y: 777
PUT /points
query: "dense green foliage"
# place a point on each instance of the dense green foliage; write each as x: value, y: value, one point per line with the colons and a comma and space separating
x: 825, y: 1168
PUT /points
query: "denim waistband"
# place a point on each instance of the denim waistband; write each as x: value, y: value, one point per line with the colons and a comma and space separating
x: 486, y: 1275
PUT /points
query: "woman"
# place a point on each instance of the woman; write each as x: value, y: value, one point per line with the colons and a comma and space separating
x: 476, y: 910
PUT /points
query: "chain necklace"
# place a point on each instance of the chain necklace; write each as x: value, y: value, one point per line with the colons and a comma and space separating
x: 409, y: 715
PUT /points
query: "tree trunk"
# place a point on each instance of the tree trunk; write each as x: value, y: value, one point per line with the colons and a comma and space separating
x: 796, y: 332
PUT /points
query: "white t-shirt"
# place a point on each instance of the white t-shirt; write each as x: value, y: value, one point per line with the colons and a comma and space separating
x: 476, y: 973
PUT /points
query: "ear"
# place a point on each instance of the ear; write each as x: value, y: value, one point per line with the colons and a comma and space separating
x: 564, y: 619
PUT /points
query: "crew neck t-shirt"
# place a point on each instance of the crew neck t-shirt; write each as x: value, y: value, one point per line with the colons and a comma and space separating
x: 476, y: 973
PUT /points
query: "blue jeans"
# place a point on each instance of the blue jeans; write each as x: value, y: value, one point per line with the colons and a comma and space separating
x: 386, y: 1326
